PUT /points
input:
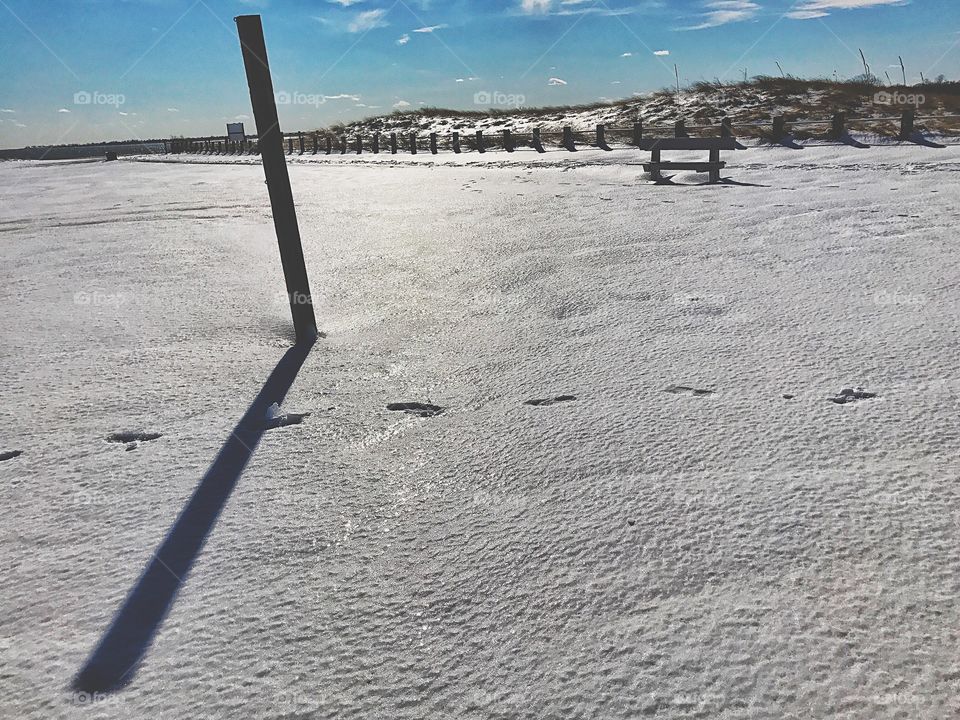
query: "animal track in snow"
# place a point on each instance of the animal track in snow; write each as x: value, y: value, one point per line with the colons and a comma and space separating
x: 849, y: 395
x: 550, y: 401
x: 684, y: 390
x: 10, y: 455
x: 416, y: 408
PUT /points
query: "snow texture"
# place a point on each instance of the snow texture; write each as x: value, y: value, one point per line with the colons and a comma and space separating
x: 684, y: 524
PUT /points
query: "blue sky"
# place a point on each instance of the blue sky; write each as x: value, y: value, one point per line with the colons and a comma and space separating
x: 85, y: 70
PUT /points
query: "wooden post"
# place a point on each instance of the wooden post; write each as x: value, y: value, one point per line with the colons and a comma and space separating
x: 655, y: 173
x: 537, y: 141
x: 715, y: 171
x: 480, y: 147
x: 907, y: 124
x: 839, y: 126
x: 290, y: 145
x: 456, y: 143
x: 726, y: 127
x: 507, y: 140
x: 316, y: 143
x: 300, y: 142
x: 602, y: 138
x: 262, y: 98
x: 413, y: 143
x: 637, y: 132
x: 779, y: 128
x: 568, y: 139
x: 359, y: 144
x: 680, y: 129
x: 433, y: 143
x: 393, y: 143
x: 329, y: 144
x: 376, y: 143
x: 343, y: 144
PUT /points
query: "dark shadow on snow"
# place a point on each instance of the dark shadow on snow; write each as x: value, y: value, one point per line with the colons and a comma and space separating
x: 115, y: 660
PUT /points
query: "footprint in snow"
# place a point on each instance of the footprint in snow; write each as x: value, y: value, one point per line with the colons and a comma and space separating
x: 419, y: 409
x: 132, y: 439
x: 550, y: 401
x: 276, y: 418
x: 684, y: 390
x: 849, y: 395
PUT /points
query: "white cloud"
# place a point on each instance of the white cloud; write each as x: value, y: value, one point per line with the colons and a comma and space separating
x: 535, y: 6
x: 63, y: 110
x: 627, y: 55
x: 401, y: 104
x: 430, y: 28
x: 367, y: 20
x: 812, y: 9
x: 722, y: 12
x: 556, y: 81
x: 6, y: 110
x: 344, y: 3
x: 173, y: 110
x: 403, y: 39
x: 661, y: 53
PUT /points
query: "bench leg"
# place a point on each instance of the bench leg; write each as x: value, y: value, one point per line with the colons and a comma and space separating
x: 715, y: 171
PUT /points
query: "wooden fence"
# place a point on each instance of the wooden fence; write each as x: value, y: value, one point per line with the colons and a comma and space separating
x: 570, y: 139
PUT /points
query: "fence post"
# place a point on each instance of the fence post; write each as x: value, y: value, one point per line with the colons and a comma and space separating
x: 433, y: 143
x: 507, y: 140
x: 316, y: 142
x: 779, y: 128
x: 393, y: 143
x: 637, y: 132
x: 343, y: 144
x: 726, y: 128
x: 602, y: 138
x: 568, y: 138
x: 262, y: 98
x: 359, y: 144
x: 680, y: 129
x: 456, y: 143
x: 480, y: 147
x: 907, y: 124
x: 413, y: 143
x: 839, y: 126
x: 376, y: 143
x: 537, y: 141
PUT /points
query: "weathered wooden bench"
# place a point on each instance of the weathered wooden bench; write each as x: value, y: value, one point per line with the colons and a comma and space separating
x: 713, y: 166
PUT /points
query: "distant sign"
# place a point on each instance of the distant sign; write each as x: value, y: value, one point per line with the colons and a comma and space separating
x: 235, y: 131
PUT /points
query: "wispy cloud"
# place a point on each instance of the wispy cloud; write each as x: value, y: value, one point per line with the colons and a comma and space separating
x: 430, y: 28
x: 812, y: 9
x: 723, y: 12
x: 403, y: 39
x: 661, y: 53
x: 555, y: 81
x: 368, y: 20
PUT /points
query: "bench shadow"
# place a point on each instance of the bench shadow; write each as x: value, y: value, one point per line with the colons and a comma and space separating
x: 115, y: 660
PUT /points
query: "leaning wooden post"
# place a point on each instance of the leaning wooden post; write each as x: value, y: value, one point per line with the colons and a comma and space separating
x: 413, y: 143
x: 255, y: 62
x: 480, y: 147
x: 300, y: 142
x: 637, y: 132
x: 907, y: 124
x: 507, y: 140
x: 343, y: 144
x: 376, y: 143
x: 290, y: 145
x: 456, y: 143
x: 393, y: 143
x: 602, y: 137
x: 433, y: 143
x: 838, y: 127
x: 568, y: 139
x: 680, y: 129
x: 316, y: 143
x: 359, y: 144
x: 726, y: 128
x: 329, y: 144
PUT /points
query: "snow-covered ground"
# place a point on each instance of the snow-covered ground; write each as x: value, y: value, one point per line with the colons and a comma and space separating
x: 681, y: 540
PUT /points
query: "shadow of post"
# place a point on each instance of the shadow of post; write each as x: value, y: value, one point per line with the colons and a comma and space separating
x: 116, y: 658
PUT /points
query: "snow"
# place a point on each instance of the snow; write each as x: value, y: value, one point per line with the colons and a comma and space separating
x: 679, y: 540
